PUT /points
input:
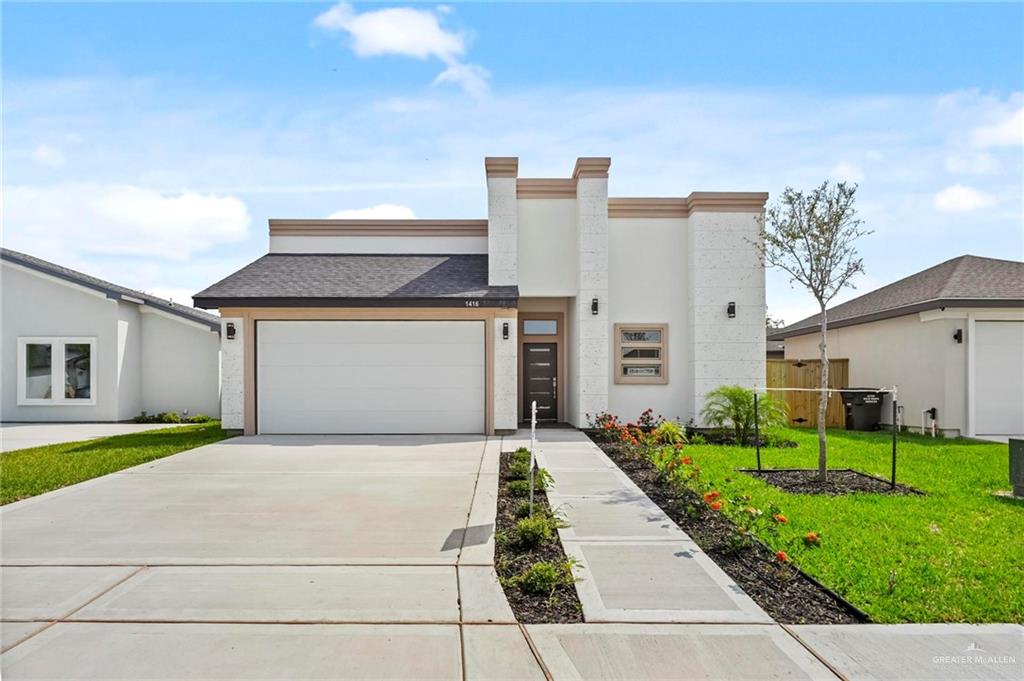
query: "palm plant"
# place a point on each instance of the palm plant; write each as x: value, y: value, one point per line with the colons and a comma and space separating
x: 732, y: 406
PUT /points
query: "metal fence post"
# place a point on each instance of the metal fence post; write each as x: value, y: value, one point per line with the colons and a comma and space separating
x: 533, y: 446
x: 893, y: 482
x: 757, y: 431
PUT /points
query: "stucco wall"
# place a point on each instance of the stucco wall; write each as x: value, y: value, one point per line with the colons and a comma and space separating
x: 723, y: 266
x: 232, y: 364
x: 378, y: 244
x: 502, y: 232
x: 36, y: 305
x: 648, y: 282
x: 592, y: 331
x: 180, y: 366
x: 547, y: 247
x: 129, y: 361
x: 919, y: 357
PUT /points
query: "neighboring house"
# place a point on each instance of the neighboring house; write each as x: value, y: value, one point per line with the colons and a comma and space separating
x: 775, y: 349
x: 950, y: 338
x: 77, y: 348
x: 563, y: 296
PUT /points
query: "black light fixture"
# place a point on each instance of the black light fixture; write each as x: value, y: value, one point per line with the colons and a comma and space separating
x: 958, y: 335
x: 730, y: 309
x: 231, y: 330
x: 593, y: 306
x: 504, y: 330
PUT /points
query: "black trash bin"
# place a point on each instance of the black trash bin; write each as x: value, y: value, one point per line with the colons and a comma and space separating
x: 863, y: 409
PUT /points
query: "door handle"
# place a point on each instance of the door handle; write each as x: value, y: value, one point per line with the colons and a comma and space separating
x: 554, y: 388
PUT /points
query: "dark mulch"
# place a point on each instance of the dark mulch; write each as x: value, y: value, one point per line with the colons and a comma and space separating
x: 840, y: 481
x: 785, y: 593
x: 562, y: 606
x: 713, y: 436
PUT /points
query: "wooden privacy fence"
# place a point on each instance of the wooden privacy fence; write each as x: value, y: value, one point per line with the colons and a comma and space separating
x: 806, y: 373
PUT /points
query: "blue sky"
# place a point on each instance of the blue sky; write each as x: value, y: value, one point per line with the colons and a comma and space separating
x: 149, y: 143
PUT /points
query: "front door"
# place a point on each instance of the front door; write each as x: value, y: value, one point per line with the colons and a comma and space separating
x: 540, y: 379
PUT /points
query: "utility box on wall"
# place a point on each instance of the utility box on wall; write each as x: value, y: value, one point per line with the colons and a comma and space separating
x: 1017, y: 467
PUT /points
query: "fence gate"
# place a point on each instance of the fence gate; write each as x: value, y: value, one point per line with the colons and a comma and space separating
x: 806, y: 373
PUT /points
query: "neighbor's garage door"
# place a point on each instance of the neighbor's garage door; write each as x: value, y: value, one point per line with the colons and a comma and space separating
x: 370, y: 377
x: 999, y: 378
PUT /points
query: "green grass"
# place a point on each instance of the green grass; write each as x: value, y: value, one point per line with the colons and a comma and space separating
x: 953, y: 555
x: 28, y: 472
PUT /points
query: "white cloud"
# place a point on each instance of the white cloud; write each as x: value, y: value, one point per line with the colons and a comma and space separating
x: 961, y: 199
x: 48, y: 155
x: 120, y: 220
x: 982, y: 163
x: 1006, y: 132
x: 847, y: 172
x: 382, y: 211
x: 407, y: 32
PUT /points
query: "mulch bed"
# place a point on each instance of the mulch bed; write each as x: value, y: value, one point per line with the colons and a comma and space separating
x: 563, y: 606
x: 786, y: 594
x: 714, y: 436
x: 840, y: 481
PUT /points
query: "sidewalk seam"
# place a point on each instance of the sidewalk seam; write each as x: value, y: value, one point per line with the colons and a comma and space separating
x: 813, y: 652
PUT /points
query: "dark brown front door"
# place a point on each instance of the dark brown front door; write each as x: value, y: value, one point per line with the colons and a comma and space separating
x: 540, y: 380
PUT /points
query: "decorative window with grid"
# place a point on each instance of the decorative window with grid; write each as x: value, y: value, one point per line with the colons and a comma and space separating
x: 641, y: 353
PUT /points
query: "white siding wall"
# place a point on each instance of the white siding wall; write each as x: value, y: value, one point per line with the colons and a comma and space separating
x: 724, y: 266
x: 548, y: 262
x: 921, y: 358
x: 180, y: 366
x: 37, y: 305
x: 232, y: 366
x: 648, y: 281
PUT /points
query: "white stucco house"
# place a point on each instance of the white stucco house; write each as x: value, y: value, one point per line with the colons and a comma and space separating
x: 79, y: 349
x: 951, y: 338
x: 561, y: 295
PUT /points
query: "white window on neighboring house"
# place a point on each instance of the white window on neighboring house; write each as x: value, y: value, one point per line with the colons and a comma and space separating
x: 56, y: 371
x: 641, y: 353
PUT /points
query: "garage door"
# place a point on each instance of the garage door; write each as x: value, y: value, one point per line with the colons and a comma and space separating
x: 370, y: 377
x: 999, y: 378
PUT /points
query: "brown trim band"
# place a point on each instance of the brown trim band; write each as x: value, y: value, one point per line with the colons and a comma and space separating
x: 682, y: 207
x: 460, y: 302
x: 591, y: 167
x: 287, y: 227
x: 501, y: 166
x: 546, y: 188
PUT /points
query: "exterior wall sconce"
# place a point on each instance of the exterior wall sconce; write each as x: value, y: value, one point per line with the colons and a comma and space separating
x: 504, y: 330
x: 730, y: 310
x: 230, y: 328
x: 593, y: 306
x: 958, y: 335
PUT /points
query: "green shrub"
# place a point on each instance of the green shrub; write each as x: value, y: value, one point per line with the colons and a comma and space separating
x: 199, y: 418
x: 670, y: 433
x: 521, y: 455
x: 533, y: 531
x: 732, y: 406
x: 170, y: 417
x: 542, y: 479
x: 523, y: 509
x: 544, y: 577
x: 519, y: 470
x: 517, y: 488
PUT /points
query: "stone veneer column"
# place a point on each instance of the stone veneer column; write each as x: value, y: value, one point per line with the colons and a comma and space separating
x: 724, y: 266
x: 592, y: 375
x: 502, y: 221
x: 232, y: 375
x: 505, y: 375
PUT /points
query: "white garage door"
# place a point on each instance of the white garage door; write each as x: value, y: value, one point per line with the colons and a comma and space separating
x: 999, y: 378
x: 370, y: 377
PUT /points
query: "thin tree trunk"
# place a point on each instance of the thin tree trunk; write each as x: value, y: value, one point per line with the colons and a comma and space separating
x: 823, y: 399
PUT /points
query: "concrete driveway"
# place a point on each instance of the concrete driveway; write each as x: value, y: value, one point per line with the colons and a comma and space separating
x: 23, y: 435
x: 269, y: 557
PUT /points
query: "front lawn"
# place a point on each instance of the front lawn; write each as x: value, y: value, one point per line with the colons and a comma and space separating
x: 955, y: 554
x: 28, y: 472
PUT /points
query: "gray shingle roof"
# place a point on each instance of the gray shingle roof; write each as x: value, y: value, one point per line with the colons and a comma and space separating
x: 110, y: 290
x: 333, y: 279
x: 967, y: 281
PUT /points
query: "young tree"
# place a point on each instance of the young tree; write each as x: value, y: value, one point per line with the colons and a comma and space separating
x: 811, y: 236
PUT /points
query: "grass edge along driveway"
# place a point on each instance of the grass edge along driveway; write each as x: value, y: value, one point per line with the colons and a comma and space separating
x: 28, y: 472
x: 953, y: 555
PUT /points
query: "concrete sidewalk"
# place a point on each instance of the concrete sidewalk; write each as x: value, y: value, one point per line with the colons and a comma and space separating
x: 635, y: 564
